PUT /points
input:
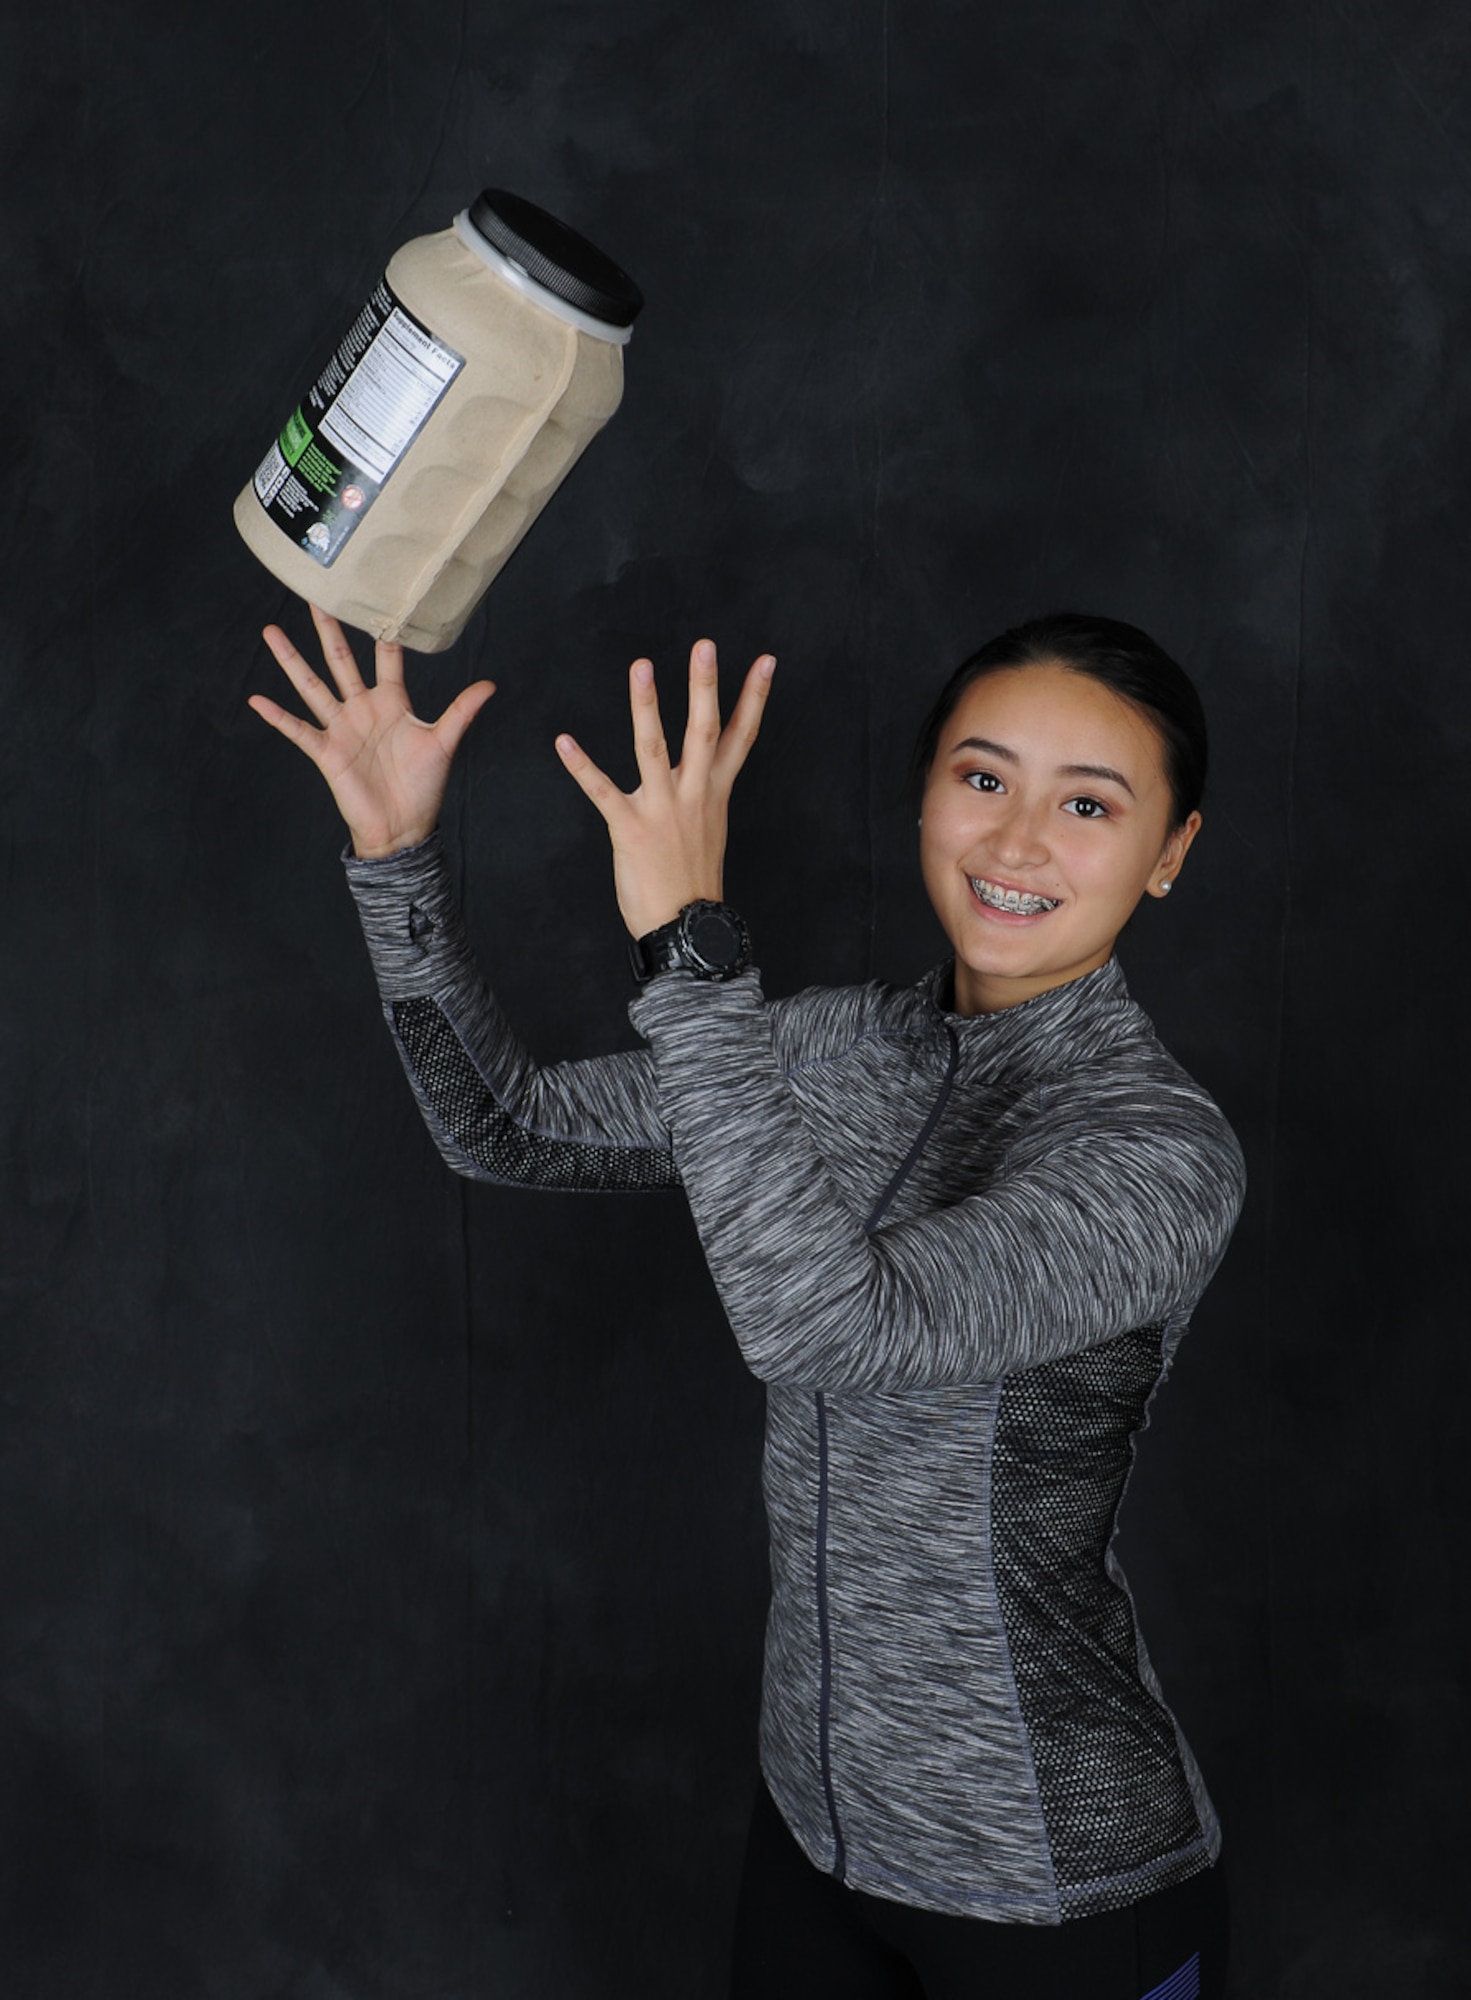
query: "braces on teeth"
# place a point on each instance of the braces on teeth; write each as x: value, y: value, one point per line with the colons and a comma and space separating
x: 1015, y: 901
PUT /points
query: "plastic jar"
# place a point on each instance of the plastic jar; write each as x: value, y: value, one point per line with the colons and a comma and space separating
x: 453, y: 408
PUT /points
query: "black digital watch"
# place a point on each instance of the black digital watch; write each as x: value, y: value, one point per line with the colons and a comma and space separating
x: 708, y: 939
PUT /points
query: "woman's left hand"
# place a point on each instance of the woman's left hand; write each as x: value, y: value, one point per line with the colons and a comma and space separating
x: 669, y: 835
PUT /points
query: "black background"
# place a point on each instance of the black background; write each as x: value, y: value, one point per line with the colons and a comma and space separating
x: 381, y: 1557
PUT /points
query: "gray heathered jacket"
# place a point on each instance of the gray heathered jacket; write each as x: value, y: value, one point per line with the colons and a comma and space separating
x: 960, y: 1253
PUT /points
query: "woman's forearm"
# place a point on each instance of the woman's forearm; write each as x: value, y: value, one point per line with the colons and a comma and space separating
x: 493, y: 1111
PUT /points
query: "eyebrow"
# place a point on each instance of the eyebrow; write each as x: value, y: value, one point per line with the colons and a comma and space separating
x: 1064, y: 770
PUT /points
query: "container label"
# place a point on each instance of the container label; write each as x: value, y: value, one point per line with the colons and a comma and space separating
x: 354, y: 425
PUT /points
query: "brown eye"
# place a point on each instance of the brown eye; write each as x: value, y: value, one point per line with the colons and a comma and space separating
x: 983, y: 781
x: 1086, y: 808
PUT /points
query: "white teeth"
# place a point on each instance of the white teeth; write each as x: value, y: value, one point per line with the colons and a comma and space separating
x: 1015, y: 901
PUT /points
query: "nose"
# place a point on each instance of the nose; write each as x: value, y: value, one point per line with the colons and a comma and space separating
x: 1018, y: 837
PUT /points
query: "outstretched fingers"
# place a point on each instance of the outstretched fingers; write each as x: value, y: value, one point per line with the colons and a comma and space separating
x: 388, y: 663
x: 461, y: 712
x: 338, y: 653
x: 745, y: 721
x: 598, y: 786
x: 710, y: 754
x: 702, y: 728
x: 650, y: 747
x: 290, y: 726
x: 308, y: 683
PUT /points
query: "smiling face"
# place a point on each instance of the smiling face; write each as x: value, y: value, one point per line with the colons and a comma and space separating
x: 1046, y: 817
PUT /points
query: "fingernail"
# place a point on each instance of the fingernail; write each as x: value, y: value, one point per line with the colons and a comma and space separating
x: 768, y: 665
x: 643, y: 673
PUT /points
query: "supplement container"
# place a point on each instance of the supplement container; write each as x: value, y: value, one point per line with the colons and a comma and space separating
x: 454, y: 407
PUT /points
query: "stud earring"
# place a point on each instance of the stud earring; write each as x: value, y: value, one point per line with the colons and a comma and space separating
x: 1164, y: 888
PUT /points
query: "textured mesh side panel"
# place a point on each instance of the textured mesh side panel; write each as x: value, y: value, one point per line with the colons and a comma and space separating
x: 1114, y: 1792
x: 464, y: 1105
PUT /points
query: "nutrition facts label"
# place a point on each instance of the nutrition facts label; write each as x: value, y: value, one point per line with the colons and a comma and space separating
x: 364, y: 410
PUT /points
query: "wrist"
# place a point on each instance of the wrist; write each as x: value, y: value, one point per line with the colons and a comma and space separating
x: 707, y: 938
x: 649, y: 908
x: 367, y: 849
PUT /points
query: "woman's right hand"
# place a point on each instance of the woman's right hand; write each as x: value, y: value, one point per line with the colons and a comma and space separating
x: 386, y: 768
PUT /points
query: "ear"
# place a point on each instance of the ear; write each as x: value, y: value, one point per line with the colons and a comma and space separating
x: 1172, y: 856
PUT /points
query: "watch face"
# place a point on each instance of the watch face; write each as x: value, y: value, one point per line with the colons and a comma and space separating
x: 714, y: 938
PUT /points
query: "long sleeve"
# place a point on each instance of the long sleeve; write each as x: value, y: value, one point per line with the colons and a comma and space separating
x: 494, y: 1113
x: 1113, y: 1208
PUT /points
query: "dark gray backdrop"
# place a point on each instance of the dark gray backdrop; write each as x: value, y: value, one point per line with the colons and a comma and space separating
x: 381, y: 1560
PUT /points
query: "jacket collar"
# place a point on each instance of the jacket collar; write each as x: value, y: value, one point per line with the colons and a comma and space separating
x: 1053, y: 1032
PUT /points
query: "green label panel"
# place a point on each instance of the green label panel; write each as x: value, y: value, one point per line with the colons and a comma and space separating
x: 351, y: 429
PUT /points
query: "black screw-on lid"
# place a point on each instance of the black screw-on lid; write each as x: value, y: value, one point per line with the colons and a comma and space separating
x: 557, y: 257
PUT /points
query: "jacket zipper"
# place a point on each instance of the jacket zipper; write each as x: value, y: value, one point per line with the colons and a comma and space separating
x: 824, y: 1639
x: 825, y: 1697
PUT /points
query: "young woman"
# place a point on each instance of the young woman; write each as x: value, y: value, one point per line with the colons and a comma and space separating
x: 958, y: 1230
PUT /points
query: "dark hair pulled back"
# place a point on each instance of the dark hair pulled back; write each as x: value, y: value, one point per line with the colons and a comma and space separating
x: 1121, y: 658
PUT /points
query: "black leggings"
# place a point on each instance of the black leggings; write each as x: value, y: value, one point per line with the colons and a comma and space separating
x: 800, y: 1935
